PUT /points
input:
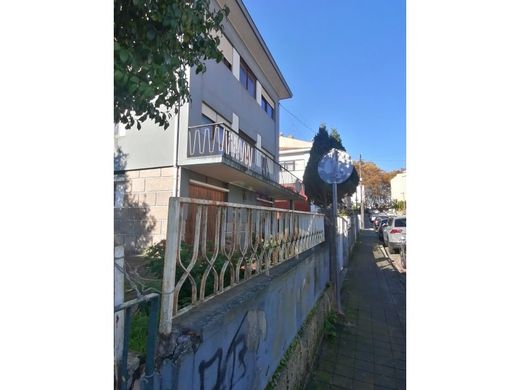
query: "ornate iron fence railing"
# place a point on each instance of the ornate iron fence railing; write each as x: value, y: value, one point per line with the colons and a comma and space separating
x: 213, y: 246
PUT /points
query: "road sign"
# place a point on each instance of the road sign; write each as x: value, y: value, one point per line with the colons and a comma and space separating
x: 335, y: 167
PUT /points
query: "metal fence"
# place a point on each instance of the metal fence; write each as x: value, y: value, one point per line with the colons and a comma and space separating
x: 122, y: 374
x: 213, y: 246
x: 217, y: 139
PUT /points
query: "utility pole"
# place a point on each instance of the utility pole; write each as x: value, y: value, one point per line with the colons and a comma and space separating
x: 362, y: 197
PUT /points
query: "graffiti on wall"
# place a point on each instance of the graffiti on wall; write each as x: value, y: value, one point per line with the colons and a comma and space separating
x: 225, y: 369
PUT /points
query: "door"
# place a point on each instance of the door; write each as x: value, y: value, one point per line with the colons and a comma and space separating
x: 202, y: 192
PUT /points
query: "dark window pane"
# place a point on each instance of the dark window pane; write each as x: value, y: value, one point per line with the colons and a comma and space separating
x: 251, y: 86
x: 269, y: 111
x: 243, y: 76
x: 226, y: 62
x: 400, y: 222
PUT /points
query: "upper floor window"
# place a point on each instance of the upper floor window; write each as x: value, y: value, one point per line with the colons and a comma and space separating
x: 289, y: 165
x: 247, y: 79
x: 267, y: 107
x: 227, y: 51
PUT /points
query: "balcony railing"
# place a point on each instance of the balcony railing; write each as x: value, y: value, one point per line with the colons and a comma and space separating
x: 213, y: 246
x: 218, y: 140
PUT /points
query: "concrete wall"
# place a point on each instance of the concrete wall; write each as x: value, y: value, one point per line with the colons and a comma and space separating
x: 237, y: 340
x: 348, y: 229
x: 299, y: 361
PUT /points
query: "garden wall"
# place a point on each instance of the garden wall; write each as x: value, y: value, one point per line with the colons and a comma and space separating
x: 238, y: 339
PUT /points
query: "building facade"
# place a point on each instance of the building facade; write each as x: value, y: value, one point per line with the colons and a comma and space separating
x: 398, y: 187
x: 294, y: 156
x: 222, y: 145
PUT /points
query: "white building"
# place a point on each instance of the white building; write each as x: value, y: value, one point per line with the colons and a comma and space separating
x: 294, y: 154
x: 356, y: 197
x: 398, y: 187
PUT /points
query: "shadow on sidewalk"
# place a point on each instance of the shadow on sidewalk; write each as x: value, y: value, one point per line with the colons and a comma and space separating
x: 368, y: 350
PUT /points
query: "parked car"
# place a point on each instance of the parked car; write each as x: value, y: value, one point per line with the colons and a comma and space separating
x: 403, y: 251
x: 393, y: 232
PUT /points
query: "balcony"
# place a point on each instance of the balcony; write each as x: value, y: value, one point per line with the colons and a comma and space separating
x: 217, y: 151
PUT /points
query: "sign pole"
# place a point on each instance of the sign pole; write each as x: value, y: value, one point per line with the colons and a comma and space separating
x: 335, y: 262
x: 335, y: 167
x: 336, y: 259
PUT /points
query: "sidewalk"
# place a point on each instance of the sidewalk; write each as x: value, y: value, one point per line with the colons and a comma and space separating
x: 369, y: 349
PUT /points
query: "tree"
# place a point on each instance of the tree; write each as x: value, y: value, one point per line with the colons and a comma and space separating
x: 316, y: 190
x: 376, y: 184
x: 155, y: 41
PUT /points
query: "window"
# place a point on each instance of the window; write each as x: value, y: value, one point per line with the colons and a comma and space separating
x: 227, y: 51
x: 247, y: 79
x: 267, y: 105
x: 267, y: 108
x: 210, y: 116
x: 289, y: 165
x: 246, y: 138
x: 227, y: 63
x: 401, y: 222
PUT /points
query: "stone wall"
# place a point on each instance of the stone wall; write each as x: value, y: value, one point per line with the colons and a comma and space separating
x: 238, y: 339
x: 296, y: 366
x: 141, y: 207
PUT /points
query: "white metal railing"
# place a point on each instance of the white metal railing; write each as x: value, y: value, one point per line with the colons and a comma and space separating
x: 213, y: 246
x: 217, y: 139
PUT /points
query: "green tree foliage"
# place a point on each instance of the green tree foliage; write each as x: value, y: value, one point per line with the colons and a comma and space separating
x: 319, y: 192
x: 155, y: 41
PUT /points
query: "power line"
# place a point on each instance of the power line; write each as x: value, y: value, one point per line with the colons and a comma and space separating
x: 298, y: 119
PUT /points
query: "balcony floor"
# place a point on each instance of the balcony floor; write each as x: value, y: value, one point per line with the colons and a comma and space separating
x: 229, y: 171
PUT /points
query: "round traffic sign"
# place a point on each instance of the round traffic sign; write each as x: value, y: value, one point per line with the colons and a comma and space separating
x: 335, y: 166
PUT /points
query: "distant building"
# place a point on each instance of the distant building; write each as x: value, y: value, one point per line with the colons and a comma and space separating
x: 356, y: 197
x: 398, y: 187
x: 293, y: 157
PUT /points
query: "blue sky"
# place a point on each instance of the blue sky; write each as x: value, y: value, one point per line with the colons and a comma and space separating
x: 345, y: 62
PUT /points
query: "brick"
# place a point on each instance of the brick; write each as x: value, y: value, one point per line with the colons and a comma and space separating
x: 132, y: 174
x: 155, y: 228
x: 159, y: 212
x: 150, y: 172
x: 158, y: 184
x: 158, y: 238
x: 130, y: 241
x: 125, y: 227
x: 167, y: 171
x: 137, y: 185
x: 164, y: 227
x: 119, y: 239
x: 162, y: 198
x: 147, y: 198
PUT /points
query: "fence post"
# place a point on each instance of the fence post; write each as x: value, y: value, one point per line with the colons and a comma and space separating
x: 170, y: 260
x: 119, y: 292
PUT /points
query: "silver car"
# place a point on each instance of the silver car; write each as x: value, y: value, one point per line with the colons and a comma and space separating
x: 393, y: 233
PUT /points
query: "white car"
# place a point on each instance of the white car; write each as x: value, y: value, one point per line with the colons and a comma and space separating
x: 393, y: 232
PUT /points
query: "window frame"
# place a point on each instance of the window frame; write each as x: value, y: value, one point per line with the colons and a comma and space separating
x: 285, y: 164
x: 249, y: 79
x: 265, y: 105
